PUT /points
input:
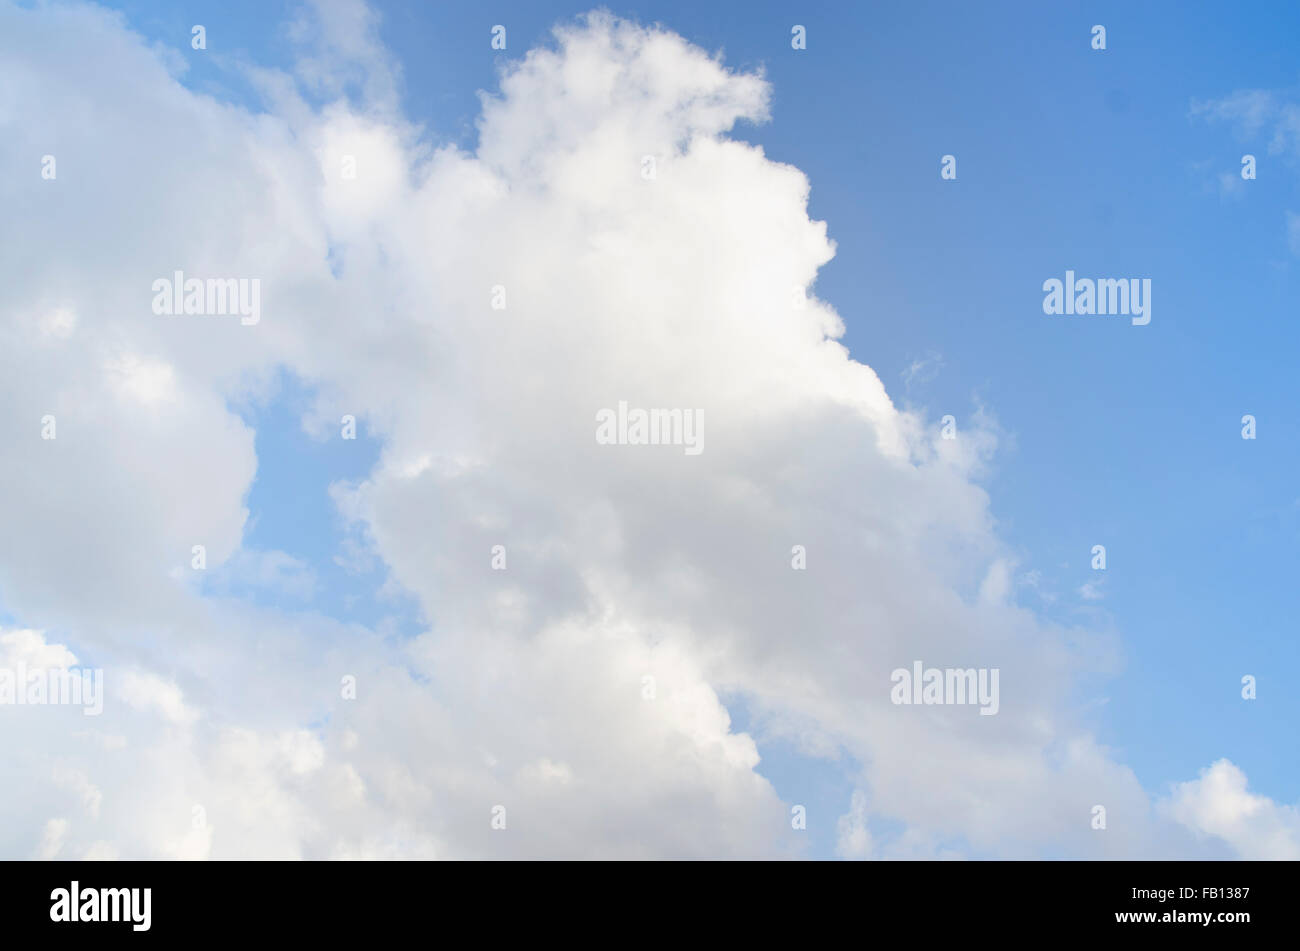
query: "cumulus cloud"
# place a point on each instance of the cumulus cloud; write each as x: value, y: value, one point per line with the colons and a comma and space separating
x: 579, y: 691
x: 30, y: 649
x: 1219, y: 805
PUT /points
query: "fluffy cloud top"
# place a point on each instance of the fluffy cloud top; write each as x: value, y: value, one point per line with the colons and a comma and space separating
x: 1219, y: 805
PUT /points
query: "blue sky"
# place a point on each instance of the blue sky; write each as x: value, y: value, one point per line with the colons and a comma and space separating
x: 1067, y: 158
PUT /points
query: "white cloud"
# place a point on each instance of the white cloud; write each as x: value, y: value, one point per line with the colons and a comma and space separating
x: 273, y: 571
x: 1254, y: 112
x: 624, y: 562
x: 1219, y: 805
x: 853, y: 837
x: 75, y: 780
x: 1251, y: 109
x: 56, y: 831
x: 149, y: 692
x: 30, y: 649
